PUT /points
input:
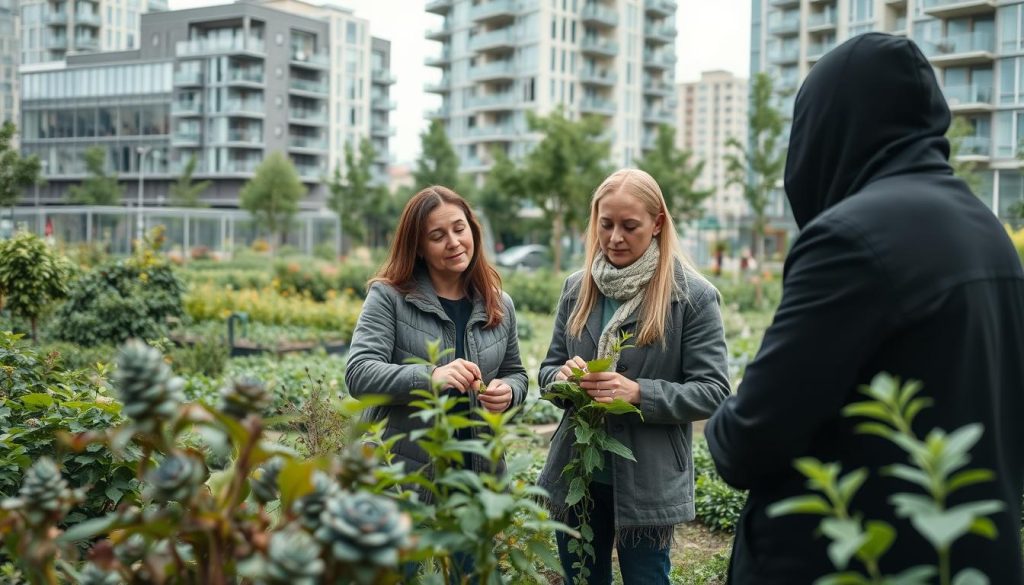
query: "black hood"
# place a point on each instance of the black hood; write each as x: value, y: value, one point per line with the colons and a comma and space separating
x: 869, y: 109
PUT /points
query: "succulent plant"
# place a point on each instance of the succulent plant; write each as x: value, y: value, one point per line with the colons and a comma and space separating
x: 358, y: 461
x: 93, y: 575
x: 293, y: 558
x: 310, y: 507
x: 264, y: 481
x: 244, y: 396
x: 177, y: 478
x: 149, y: 391
x: 43, y: 495
x: 131, y: 550
x: 363, y: 529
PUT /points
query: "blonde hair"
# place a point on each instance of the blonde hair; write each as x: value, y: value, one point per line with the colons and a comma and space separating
x: 661, y: 290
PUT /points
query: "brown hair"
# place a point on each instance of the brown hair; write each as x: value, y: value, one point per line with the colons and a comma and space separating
x: 403, y: 259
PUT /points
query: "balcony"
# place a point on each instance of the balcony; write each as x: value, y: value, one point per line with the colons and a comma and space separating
x: 974, y: 48
x: 495, y: 101
x: 970, y: 99
x: 307, y: 116
x: 381, y: 131
x: 383, y: 105
x: 56, y: 42
x: 439, y: 6
x: 822, y: 21
x: 187, y: 108
x: 382, y: 76
x: 309, y: 172
x: 216, y: 45
x: 442, y: 60
x: 975, y: 147
x: 595, y: 105
x: 784, y: 24
x: 658, y: 60
x: 599, y: 46
x: 492, y: 10
x: 816, y: 51
x: 442, y: 87
x: 654, y: 87
x: 597, y: 76
x: 186, y: 139
x: 899, y: 26
x: 660, y: 7
x: 599, y: 15
x: 664, y: 34
x: 658, y: 116
x: 244, y: 107
x: 87, y: 19
x: 493, y: 132
x: 309, y: 60
x: 439, y: 34
x: 495, y: 40
x: 784, y: 3
x: 306, y: 143
x: 57, y: 18
x: 784, y: 55
x: 318, y: 87
x: 188, y: 78
x: 493, y: 71
x: 240, y: 167
x: 246, y: 138
x: 245, y: 77
x: 87, y: 43
x: 958, y: 8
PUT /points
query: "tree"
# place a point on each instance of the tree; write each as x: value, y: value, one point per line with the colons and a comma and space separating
x: 438, y: 164
x: 31, y: 276
x: 676, y: 175
x: 759, y: 167
x: 185, y: 193
x: 561, y: 172
x: 959, y: 131
x: 500, y: 198
x: 361, y: 206
x: 272, y: 195
x: 98, y: 188
x: 16, y: 172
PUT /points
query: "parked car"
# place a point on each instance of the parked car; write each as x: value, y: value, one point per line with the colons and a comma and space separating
x: 526, y: 257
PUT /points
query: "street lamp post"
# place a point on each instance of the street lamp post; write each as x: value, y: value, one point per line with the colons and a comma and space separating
x: 39, y: 209
x: 140, y: 228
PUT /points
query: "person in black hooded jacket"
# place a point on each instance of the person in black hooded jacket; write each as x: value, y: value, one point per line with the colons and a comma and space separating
x: 898, y: 268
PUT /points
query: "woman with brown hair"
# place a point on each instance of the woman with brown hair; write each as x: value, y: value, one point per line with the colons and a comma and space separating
x: 436, y: 285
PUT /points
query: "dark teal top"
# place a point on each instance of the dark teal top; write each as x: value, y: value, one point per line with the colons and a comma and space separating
x: 608, y: 308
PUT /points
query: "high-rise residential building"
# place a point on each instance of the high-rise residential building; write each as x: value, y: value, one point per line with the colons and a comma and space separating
x: 974, y: 45
x: 500, y: 59
x: 225, y: 85
x: 53, y: 29
x: 9, y: 26
x: 712, y: 111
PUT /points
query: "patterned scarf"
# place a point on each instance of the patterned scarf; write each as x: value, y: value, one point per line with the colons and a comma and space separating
x: 626, y: 285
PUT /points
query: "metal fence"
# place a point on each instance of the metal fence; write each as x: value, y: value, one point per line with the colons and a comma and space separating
x: 186, y: 229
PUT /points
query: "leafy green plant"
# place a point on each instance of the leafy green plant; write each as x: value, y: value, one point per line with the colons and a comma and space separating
x: 40, y: 399
x: 937, y: 467
x: 587, y: 423
x: 538, y: 291
x: 32, y: 276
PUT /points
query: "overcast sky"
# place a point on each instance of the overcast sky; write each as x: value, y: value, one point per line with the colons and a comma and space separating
x: 713, y: 34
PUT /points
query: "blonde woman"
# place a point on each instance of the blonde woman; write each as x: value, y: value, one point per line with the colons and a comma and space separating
x: 636, y: 279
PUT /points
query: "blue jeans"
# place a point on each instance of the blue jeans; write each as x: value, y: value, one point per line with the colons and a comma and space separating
x: 641, y: 561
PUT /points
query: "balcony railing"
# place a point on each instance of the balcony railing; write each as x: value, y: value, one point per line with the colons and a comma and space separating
x: 188, y: 78
x: 593, y: 105
x: 243, y: 106
x: 825, y: 18
x: 969, y: 94
x: 309, y: 85
x: 601, y: 76
x: 499, y: 130
x: 246, y: 75
x: 307, y: 115
x: 600, y: 14
x: 494, y: 101
x: 307, y: 142
x: 497, y: 38
x: 492, y: 9
x: 976, y: 146
x: 220, y: 45
x: 972, y: 42
x: 600, y: 46
x: 313, y: 59
x: 493, y: 69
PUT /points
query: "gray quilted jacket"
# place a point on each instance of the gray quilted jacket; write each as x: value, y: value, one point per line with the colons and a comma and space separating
x: 394, y: 326
x: 680, y: 383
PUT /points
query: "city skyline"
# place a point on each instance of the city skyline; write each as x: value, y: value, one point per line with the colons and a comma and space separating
x: 724, y: 25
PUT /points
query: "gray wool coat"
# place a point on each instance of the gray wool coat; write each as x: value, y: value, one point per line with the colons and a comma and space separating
x: 394, y: 327
x: 680, y: 383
